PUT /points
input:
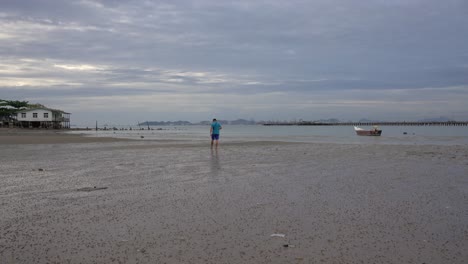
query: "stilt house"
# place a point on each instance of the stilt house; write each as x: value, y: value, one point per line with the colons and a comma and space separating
x: 43, y: 118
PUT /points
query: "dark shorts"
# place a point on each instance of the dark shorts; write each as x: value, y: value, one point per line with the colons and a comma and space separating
x: 214, y: 136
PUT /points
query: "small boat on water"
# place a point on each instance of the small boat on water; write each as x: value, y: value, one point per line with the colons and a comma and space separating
x: 373, y: 132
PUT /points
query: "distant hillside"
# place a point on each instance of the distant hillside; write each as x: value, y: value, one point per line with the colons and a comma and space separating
x: 242, y: 122
x: 330, y: 120
x: 365, y: 120
x: 252, y: 122
x: 165, y: 123
x: 230, y: 122
x: 187, y: 123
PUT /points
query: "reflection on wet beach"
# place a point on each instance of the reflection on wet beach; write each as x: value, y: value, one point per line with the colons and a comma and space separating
x: 215, y: 166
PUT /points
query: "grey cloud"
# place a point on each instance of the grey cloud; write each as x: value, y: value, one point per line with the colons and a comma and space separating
x: 349, y: 45
x: 70, y: 92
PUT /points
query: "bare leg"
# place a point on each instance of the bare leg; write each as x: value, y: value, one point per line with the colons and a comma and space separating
x: 216, y: 143
x: 212, y: 143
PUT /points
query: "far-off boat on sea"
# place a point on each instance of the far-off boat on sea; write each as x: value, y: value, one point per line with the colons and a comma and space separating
x: 373, y: 132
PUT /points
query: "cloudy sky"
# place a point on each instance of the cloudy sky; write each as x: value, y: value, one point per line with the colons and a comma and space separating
x: 123, y: 61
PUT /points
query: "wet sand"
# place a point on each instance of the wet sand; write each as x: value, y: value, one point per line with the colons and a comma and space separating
x: 185, y: 203
x: 24, y: 136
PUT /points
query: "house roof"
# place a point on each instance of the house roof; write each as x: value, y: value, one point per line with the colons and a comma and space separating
x: 42, y: 108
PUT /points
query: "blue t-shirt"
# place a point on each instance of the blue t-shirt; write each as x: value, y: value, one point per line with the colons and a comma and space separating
x: 216, y: 127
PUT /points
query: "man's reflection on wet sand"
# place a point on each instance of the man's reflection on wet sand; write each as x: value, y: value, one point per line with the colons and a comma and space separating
x: 215, y: 166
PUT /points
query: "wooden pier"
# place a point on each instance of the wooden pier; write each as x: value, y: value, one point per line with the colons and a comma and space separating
x: 305, y: 123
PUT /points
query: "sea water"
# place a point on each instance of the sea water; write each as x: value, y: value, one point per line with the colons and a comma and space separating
x: 406, y: 135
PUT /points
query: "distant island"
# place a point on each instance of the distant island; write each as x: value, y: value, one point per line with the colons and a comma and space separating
x: 290, y: 122
x: 440, y: 121
x: 187, y: 123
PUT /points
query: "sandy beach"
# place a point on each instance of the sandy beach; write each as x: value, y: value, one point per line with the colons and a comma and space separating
x: 104, y: 200
x: 36, y: 136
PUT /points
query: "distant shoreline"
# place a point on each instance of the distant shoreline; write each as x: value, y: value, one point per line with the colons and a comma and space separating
x: 448, y: 123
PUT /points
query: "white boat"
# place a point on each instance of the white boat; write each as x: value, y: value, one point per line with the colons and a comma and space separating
x: 373, y: 132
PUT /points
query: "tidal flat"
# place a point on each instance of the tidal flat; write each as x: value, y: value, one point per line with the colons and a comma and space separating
x: 170, y: 202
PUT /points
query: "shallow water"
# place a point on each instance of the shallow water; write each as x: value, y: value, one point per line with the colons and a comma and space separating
x: 418, y: 135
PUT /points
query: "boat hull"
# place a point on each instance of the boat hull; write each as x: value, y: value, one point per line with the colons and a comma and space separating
x: 369, y: 132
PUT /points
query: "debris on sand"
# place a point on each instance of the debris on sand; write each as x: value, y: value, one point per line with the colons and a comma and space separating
x: 90, y: 189
x: 277, y: 235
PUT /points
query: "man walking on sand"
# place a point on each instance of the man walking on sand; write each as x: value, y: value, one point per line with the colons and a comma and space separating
x: 214, y: 131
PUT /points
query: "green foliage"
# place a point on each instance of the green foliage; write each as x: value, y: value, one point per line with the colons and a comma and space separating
x: 9, y: 107
x: 36, y: 106
x: 6, y: 111
x: 18, y: 104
